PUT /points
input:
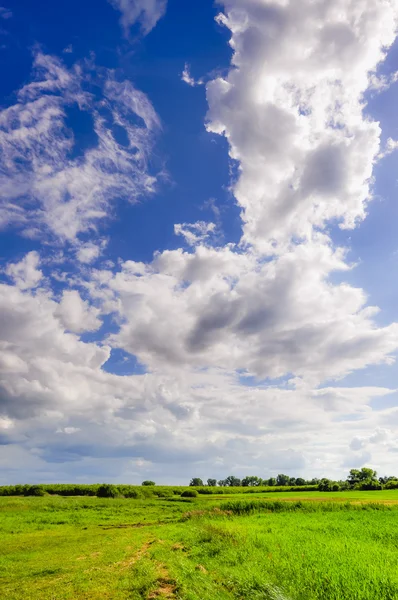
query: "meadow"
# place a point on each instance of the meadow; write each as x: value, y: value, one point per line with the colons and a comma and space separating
x: 276, y: 546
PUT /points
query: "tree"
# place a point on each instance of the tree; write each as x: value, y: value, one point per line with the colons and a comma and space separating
x: 300, y: 481
x: 232, y: 481
x: 222, y: 483
x: 196, y: 482
x: 282, y: 479
x: 212, y: 482
x: 251, y: 481
x: 358, y: 477
x: 148, y: 482
x: 271, y: 481
x: 326, y: 485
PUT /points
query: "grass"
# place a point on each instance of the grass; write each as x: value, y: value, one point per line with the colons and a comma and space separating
x: 268, y: 546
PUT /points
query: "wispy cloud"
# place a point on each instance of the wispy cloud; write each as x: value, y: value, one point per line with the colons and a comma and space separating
x: 145, y: 12
x: 5, y: 13
x: 41, y: 179
x: 187, y: 78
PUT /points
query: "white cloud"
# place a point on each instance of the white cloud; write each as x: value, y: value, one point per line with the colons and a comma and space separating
x: 68, y: 430
x: 42, y: 187
x: 291, y: 108
x: 187, y: 78
x: 274, y: 318
x: 25, y: 273
x: 194, y: 233
x: 145, y: 12
x: 175, y: 419
x: 76, y: 314
x: 88, y: 252
x: 390, y: 147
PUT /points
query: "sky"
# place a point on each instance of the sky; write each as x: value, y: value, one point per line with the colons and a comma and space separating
x: 198, y: 247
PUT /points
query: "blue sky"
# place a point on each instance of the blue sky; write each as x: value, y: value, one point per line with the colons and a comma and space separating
x: 198, y: 248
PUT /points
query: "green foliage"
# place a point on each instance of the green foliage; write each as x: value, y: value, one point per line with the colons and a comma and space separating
x: 33, y: 490
x: 282, y: 479
x: 251, y: 481
x: 106, y: 490
x: 392, y: 484
x: 212, y: 482
x: 148, y: 482
x: 358, y: 477
x: 196, y: 482
x: 326, y: 485
x: 189, y: 494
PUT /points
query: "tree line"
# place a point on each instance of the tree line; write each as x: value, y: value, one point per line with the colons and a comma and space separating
x: 360, y: 479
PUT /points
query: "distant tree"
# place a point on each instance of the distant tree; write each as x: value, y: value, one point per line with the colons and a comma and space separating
x: 222, y: 483
x: 271, y: 481
x: 212, y: 482
x: 232, y: 481
x: 300, y: 481
x: 251, y: 481
x: 196, y: 482
x: 282, y: 479
x: 292, y: 481
x: 314, y: 481
x: 384, y: 480
x: 148, y: 482
x: 358, y: 477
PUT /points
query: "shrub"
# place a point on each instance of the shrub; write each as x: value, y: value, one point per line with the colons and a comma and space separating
x: 130, y: 493
x: 33, y: 490
x: 369, y: 485
x: 392, y: 484
x: 148, y: 482
x: 189, y: 494
x: 106, y: 490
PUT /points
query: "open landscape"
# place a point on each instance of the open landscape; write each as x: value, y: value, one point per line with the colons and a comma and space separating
x: 198, y: 259
x: 266, y: 545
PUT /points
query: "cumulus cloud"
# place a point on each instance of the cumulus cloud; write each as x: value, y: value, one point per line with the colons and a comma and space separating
x: 233, y: 310
x: 145, y: 12
x: 43, y: 186
x: 291, y: 108
x: 89, y: 252
x: 25, y: 273
x: 76, y: 314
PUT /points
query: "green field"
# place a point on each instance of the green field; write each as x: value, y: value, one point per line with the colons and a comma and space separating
x: 302, y: 545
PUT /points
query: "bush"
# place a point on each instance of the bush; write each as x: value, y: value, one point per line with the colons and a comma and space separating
x: 106, y: 490
x: 392, y: 484
x: 370, y: 486
x: 148, y: 482
x: 189, y: 494
x: 33, y: 490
